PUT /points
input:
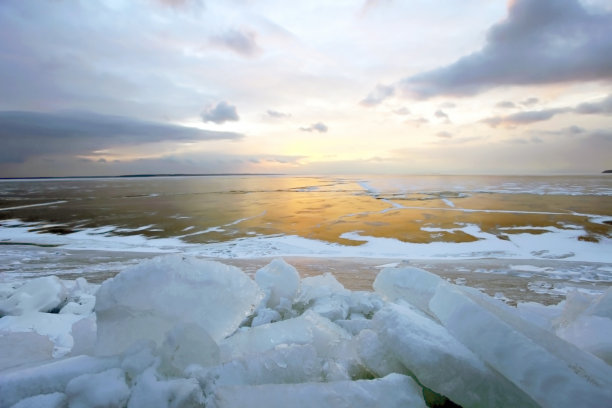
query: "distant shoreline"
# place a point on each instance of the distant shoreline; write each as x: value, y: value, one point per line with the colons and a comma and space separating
x: 143, y: 176
x: 153, y: 175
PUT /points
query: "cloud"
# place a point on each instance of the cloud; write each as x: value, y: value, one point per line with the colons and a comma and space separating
x: 524, y: 141
x: 276, y: 114
x: 440, y: 114
x: 505, y: 105
x: 220, y: 113
x: 315, y: 127
x: 242, y: 42
x: 539, y: 42
x: 25, y: 134
x: 524, y: 118
x: 603, y: 107
x: 418, y: 121
x: 181, y: 3
x: 402, y: 111
x: 530, y: 101
x: 444, y: 135
x: 379, y: 94
x: 574, y: 130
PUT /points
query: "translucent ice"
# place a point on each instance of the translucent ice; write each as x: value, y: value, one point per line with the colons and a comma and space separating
x: 413, y: 285
x: 145, y: 301
x: 309, y: 328
x: 551, y: 371
x: 394, y: 390
x: 187, y: 344
x: 279, y: 280
x: 281, y: 365
x: 105, y: 389
x: 587, y: 323
x: 153, y: 392
x: 321, y: 286
x: 27, y: 381
x: 440, y: 362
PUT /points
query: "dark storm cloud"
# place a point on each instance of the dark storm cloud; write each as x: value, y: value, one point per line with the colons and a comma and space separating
x: 25, y: 134
x: 539, y: 42
x: 242, y: 42
x: 220, y: 113
x: 315, y: 127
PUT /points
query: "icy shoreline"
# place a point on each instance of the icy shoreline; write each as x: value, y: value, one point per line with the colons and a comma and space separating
x: 179, y: 331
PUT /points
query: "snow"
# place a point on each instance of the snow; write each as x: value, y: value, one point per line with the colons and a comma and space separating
x: 179, y: 331
x: 40, y: 294
x: 24, y: 347
x: 552, y: 243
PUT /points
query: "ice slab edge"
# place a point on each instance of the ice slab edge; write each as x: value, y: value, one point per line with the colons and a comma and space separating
x: 182, y: 332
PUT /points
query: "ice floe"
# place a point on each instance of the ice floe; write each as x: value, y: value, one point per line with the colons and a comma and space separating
x: 180, y: 331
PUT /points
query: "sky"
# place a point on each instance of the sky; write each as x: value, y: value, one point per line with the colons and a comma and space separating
x: 112, y: 87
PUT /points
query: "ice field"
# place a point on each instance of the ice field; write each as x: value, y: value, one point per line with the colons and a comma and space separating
x: 179, y: 331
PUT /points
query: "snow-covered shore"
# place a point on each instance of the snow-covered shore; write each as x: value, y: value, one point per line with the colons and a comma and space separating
x: 178, y: 331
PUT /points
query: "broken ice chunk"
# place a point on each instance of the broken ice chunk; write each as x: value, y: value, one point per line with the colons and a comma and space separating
x: 53, y: 400
x: 587, y: 322
x: 36, y: 295
x: 23, y: 347
x: 55, y: 326
x: 395, y: 390
x: 552, y: 372
x: 280, y: 280
x: 440, y: 362
x: 309, y: 328
x: 105, y: 389
x: 321, y: 286
x: 153, y: 392
x: 187, y: 344
x: 145, y: 301
x: 377, y: 358
x: 415, y: 286
x: 281, y: 365
x: 22, y: 382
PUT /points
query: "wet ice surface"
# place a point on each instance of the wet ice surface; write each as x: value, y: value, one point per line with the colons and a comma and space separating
x: 179, y: 331
x: 543, y: 281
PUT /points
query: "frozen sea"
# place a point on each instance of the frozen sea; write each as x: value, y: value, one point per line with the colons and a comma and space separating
x: 533, y: 235
x: 277, y: 291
